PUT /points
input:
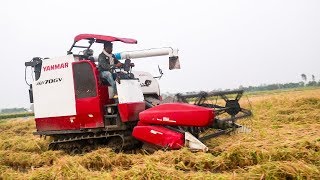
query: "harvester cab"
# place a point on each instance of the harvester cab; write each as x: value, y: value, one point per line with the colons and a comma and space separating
x: 76, y: 108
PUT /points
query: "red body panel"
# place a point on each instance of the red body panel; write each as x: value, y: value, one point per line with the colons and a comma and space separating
x: 159, y: 136
x: 89, y: 112
x: 178, y: 114
x: 104, y: 38
x: 57, y: 123
x: 130, y: 111
x: 88, y: 115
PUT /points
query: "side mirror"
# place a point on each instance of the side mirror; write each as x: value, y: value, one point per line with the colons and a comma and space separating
x: 35, y: 63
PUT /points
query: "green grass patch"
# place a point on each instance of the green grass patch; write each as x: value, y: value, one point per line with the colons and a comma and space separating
x: 18, y: 115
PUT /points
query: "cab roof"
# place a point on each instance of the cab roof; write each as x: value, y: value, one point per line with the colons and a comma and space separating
x: 102, y: 38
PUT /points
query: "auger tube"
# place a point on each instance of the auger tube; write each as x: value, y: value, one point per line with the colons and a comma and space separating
x: 172, y: 52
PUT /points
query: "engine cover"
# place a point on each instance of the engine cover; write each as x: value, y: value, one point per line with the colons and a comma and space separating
x: 178, y: 114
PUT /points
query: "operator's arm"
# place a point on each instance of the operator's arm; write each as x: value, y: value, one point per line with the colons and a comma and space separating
x: 116, y: 61
x: 103, y: 61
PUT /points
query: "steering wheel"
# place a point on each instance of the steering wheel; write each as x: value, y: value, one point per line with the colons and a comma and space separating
x: 126, y: 66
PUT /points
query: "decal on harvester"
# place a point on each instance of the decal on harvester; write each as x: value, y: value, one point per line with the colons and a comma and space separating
x: 166, y: 119
x: 56, y: 66
x: 155, y: 132
x: 49, y: 81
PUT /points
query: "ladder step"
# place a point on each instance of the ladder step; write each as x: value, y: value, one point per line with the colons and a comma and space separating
x: 111, y: 105
x: 111, y: 116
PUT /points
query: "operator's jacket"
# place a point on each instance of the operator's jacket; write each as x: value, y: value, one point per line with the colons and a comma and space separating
x: 104, y: 63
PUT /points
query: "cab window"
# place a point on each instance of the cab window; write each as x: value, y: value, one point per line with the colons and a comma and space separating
x: 84, y: 80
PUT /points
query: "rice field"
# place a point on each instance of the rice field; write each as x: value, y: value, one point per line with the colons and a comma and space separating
x: 284, y: 144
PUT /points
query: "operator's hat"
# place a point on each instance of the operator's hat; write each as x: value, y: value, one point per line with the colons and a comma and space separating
x: 107, y: 44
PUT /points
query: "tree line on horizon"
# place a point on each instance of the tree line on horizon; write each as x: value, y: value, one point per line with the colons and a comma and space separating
x: 266, y: 87
x: 13, y: 110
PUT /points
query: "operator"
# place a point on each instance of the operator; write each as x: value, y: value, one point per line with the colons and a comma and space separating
x: 106, y: 61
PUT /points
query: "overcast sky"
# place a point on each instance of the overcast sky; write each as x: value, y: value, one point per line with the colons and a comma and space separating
x: 222, y: 44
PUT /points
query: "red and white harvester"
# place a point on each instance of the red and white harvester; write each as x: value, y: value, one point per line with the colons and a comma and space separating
x: 75, y: 107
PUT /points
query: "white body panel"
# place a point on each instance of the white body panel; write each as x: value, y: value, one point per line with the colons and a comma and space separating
x: 129, y: 91
x: 153, y: 88
x: 53, y: 92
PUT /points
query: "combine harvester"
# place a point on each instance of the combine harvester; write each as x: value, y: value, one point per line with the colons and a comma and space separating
x: 75, y: 107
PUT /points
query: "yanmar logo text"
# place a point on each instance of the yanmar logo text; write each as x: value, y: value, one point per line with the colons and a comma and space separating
x: 56, y: 66
x: 49, y: 81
